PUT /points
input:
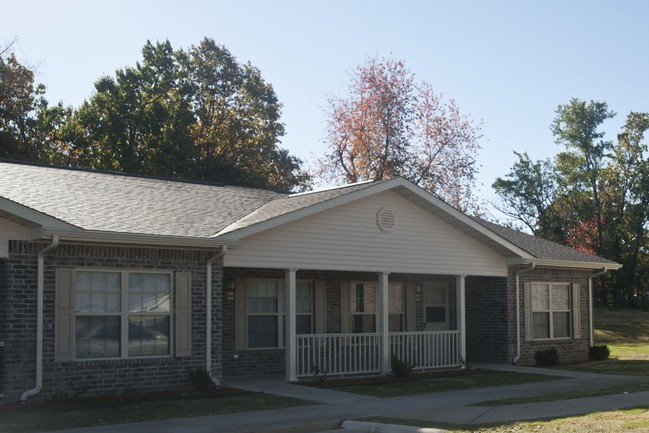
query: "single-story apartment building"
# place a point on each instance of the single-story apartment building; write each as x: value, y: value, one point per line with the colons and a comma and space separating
x: 113, y: 283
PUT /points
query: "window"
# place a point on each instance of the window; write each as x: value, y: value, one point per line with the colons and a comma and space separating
x: 304, y: 307
x: 550, y: 304
x: 363, y: 308
x: 121, y: 314
x: 262, y: 301
x: 265, y: 312
x: 436, y: 307
x: 395, y: 307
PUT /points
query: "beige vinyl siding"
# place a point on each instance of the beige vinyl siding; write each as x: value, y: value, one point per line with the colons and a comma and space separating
x: 348, y: 238
x: 183, y: 314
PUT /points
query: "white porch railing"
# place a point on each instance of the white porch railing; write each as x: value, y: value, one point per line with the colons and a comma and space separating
x: 430, y: 349
x: 338, y: 354
x: 347, y: 354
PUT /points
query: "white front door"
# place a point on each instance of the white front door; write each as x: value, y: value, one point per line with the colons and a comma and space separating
x: 436, y: 306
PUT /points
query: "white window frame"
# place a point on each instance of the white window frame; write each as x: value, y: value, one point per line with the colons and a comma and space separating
x: 352, y: 313
x: 436, y: 326
x: 311, y: 314
x: 550, y: 311
x: 124, y: 312
x: 402, y: 313
x: 281, y: 311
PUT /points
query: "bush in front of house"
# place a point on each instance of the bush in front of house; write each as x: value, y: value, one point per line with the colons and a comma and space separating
x: 401, y: 368
x: 201, y: 379
x: 599, y: 352
x: 547, y: 358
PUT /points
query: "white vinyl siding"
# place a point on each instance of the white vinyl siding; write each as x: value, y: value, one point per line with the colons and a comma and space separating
x: 347, y: 238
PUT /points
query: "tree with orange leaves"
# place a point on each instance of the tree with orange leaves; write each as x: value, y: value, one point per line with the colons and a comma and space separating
x: 391, y: 125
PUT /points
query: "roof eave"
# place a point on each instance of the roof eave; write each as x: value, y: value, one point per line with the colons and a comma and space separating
x: 24, y: 215
x: 571, y: 264
x: 89, y: 236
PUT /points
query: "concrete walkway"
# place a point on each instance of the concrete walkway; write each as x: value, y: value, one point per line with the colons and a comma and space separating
x: 453, y: 407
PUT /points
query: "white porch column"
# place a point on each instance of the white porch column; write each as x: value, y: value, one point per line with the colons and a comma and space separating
x: 290, y: 332
x: 461, y: 314
x: 383, y: 322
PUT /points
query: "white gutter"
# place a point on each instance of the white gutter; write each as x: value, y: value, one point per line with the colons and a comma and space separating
x: 590, y: 304
x: 208, y: 318
x: 563, y: 264
x: 518, y: 312
x: 39, y: 320
x: 117, y: 238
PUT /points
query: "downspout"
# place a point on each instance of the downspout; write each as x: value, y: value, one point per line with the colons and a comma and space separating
x: 40, y: 277
x: 518, y: 313
x: 590, y: 304
x: 208, y: 316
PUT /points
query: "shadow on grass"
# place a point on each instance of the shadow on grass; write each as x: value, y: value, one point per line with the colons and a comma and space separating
x: 60, y: 415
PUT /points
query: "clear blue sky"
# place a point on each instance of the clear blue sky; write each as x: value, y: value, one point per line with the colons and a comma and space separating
x: 507, y: 63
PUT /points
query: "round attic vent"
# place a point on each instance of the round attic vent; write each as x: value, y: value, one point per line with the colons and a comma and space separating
x: 386, y: 219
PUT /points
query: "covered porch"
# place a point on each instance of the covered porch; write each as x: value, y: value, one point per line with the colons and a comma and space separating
x: 306, y: 323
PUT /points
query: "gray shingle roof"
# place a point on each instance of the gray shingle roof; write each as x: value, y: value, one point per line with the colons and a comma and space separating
x: 292, y: 203
x: 107, y: 202
x: 129, y: 204
x: 541, y: 248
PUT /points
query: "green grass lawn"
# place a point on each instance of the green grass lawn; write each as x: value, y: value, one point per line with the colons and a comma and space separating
x: 87, y: 413
x: 626, y: 333
x: 616, y: 421
x: 424, y: 384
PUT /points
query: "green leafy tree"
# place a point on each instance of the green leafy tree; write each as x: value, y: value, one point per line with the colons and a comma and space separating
x: 577, y: 127
x: 596, y: 192
x: 528, y: 194
x: 139, y: 121
x: 390, y: 125
x: 194, y: 114
x: 238, y: 127
x: 628, y: 205
x: 29, y: 127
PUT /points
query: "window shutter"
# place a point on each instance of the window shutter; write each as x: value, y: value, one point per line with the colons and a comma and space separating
x: 576, y: 312
x: 320, y: 310
x: 64, y: 317
x: 529, y: 327
x: 240, y: 322
x: 344, y: 301
x: 411, y: 307
x: 184, y: 314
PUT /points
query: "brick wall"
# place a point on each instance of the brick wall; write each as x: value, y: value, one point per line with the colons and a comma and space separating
x: 487, y: 319
x: 97, y: 376
x: 571, y: 350
x: 3, y: 322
